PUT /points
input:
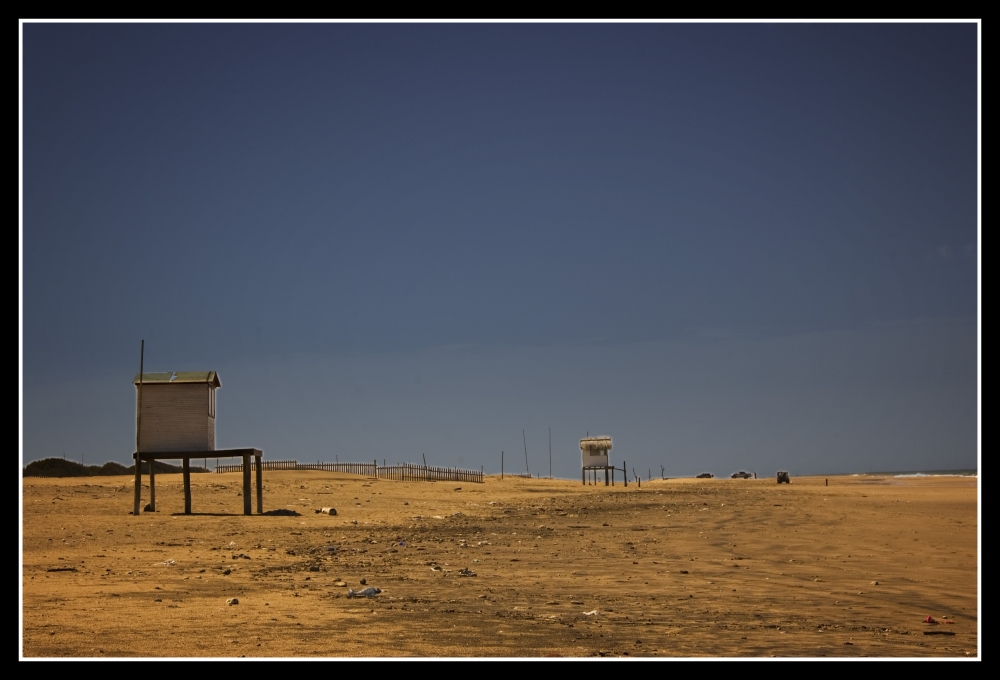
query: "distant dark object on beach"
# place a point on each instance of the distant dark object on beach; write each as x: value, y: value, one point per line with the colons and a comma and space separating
x: 742, y: 474
x: 783, y: 477
x: 705, y: 475
x: 61, y: 467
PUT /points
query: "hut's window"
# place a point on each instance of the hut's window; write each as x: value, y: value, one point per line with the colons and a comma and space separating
x: 211, y: 402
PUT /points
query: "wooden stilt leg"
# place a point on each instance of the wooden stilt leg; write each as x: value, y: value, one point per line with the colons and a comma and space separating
x: 605, y: 476
x: 260, y: 486
x: 583, y: 480
x: 246, y: 485
x: 138, y: 483
x: 152, y: 485
x: 187, y: 486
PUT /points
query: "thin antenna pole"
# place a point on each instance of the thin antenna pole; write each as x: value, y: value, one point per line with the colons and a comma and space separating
x: 138, y: 415
x: 550, y: 453
x: 137, y: 498
x: 525, y: 453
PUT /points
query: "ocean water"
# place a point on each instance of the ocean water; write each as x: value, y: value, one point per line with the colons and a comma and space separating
x: 920, y: 473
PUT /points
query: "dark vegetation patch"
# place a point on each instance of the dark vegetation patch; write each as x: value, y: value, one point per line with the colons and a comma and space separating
x: 61, y: 467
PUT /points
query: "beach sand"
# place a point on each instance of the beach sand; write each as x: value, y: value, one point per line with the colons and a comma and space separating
x: 681, y: 567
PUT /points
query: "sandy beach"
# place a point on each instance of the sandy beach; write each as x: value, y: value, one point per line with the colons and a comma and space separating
x: 682, y: 567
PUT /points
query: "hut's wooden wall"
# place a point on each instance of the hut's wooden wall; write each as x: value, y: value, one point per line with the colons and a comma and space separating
x: 593, y: 457
x: 175, y: 418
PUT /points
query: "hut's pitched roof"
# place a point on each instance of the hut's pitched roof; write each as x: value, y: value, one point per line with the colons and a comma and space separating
x: 210, y: 377
x: 595, y: 443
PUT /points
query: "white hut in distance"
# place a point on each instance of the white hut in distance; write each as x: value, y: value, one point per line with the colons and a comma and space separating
x: 177, y: 411
x: 594, y: 451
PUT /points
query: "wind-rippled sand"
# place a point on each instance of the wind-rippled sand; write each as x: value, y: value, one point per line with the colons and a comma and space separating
x: 679, y: 568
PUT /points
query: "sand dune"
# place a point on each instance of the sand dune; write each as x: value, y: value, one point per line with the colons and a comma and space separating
x: 678, y: 568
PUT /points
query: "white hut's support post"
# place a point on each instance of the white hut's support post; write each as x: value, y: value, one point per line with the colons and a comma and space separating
x: 605, y: 476
x: 152, y: 486
x: 246, y: 485
x: 138, y: 483
x: 260, y: 485
x: 187, y: 485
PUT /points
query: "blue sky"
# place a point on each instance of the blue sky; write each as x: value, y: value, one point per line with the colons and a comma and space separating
x: 727, y: 246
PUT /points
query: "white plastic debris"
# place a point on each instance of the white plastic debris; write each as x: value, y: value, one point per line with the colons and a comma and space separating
x: 365, y: 592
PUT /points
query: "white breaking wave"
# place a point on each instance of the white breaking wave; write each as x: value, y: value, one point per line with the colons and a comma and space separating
x: 943, y: 474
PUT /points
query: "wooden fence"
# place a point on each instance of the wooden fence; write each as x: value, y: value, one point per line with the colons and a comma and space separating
x: 403, y: 473
x: 413, y: 473
x: 366, y: 469
x: 268, y: 465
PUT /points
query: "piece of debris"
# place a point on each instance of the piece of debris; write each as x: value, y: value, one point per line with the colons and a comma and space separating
x: 327, y: 511
x: 367, y: 592
x: 241, y: 556
x: 363, y: 582
x: 466, y: 572
x: 167, y: 563
x: 590, y: 613
x: 874, y: 583
x: 684, y: 571
x: 434, y: 568
x: 340, y: 584
x: 227, y: 572
x: 282, y: 512
x: 458, y: 488
x: 231, y: 601
x: 459, y: 514
x: 929, y: 619
x: 62, y: 569
x: 939, y: 632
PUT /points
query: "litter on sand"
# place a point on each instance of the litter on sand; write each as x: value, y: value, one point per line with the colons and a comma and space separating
x: 327, y: 511
x: 366, y: 592
x: 466, y: 572
x: 231, y: 601
x: 590, y: 613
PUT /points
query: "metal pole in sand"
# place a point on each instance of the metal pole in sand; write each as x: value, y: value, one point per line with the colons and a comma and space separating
x: 526, y: 468
x: 138, y: 427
